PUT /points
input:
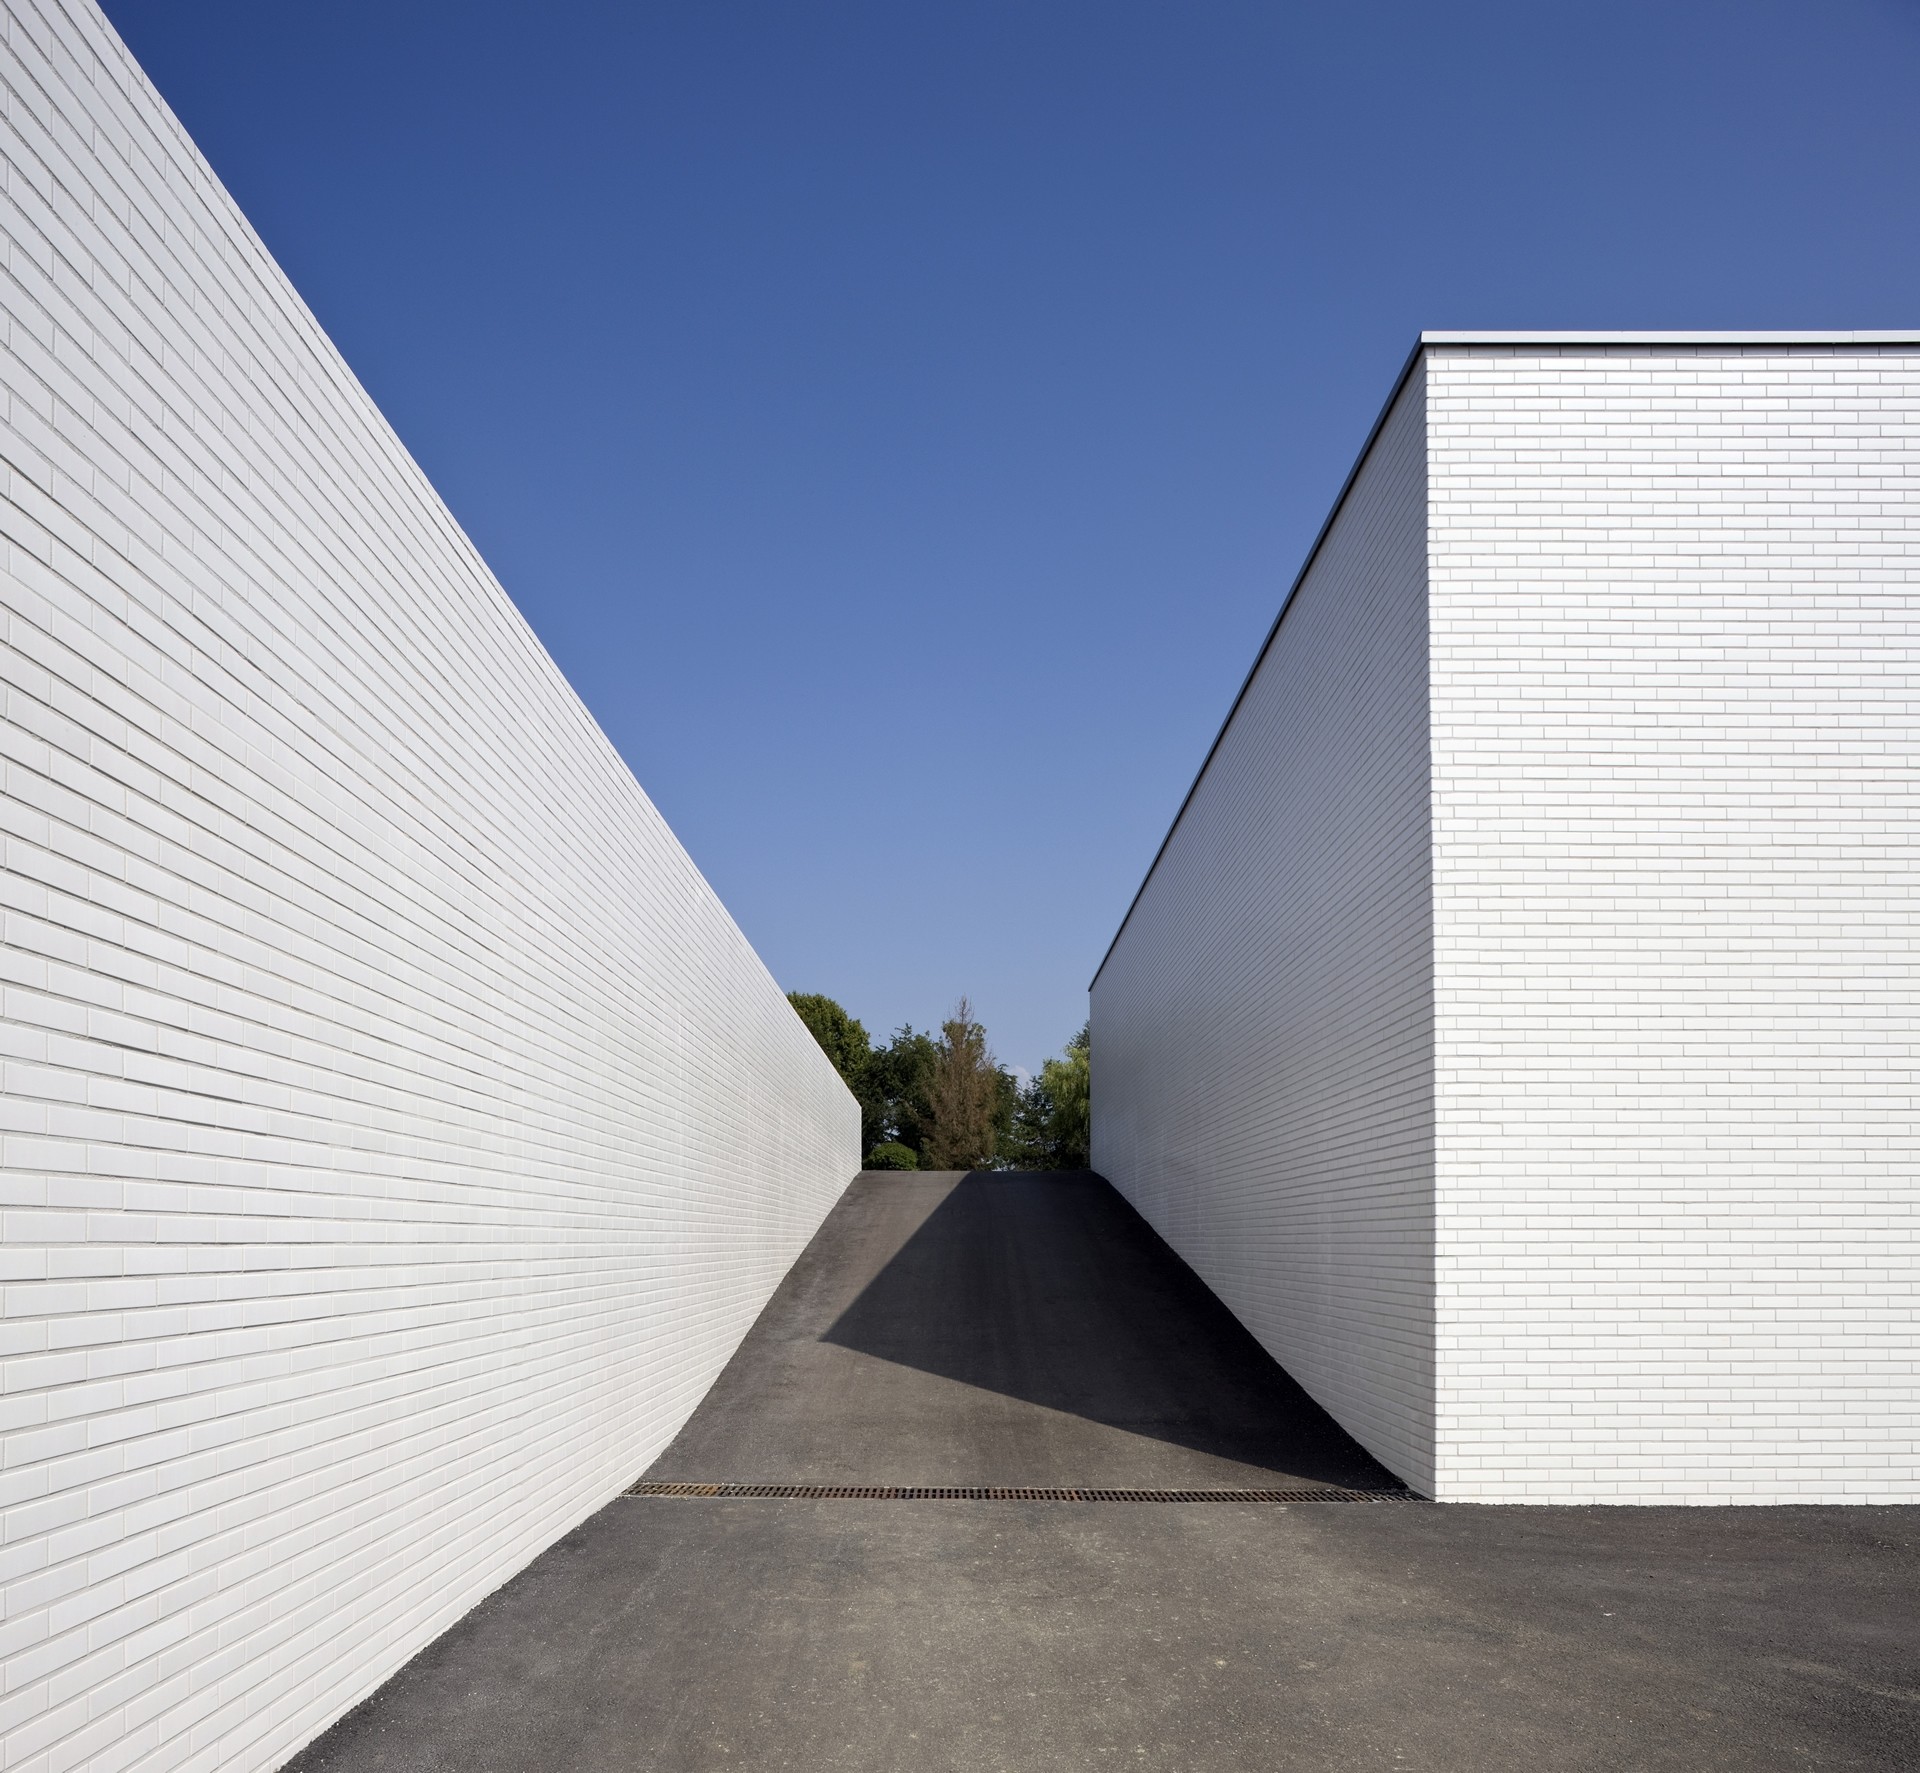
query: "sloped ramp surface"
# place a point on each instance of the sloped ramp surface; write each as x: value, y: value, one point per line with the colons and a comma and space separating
x: 955, y: 1330
x: 903, y: 1532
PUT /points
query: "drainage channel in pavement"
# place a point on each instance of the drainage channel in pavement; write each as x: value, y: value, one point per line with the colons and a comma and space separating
x: 1009, y: 1493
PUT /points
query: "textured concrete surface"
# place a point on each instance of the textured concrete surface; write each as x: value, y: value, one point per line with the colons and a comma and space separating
x: 1194, y: 1638
x: 1004, y: 1329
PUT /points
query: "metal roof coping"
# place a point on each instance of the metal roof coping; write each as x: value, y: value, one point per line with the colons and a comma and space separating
x: 1425, y: 340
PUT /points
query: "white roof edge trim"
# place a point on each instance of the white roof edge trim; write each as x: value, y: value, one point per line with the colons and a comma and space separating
x: 1670, y: 338
x: 1366, y: 449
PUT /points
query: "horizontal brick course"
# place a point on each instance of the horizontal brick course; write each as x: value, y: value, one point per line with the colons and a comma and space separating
x: 1668, y: 750
x: 1675, y: 728
x: 1262, y: 1030
x: 398, y: 1135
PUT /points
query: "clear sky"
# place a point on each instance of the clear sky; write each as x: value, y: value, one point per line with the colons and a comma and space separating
x: 901, y: 420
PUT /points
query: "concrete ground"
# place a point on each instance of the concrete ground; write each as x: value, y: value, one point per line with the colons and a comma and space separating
x: 1030, y: 1330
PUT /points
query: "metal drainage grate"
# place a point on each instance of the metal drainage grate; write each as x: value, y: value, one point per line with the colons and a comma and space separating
x: 1012, y: 1493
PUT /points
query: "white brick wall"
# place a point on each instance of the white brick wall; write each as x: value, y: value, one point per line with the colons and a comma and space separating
x: 1675, y: 721
x: 398, y: 1135
x: 1672, y: 1172
x: 1262, y: 1029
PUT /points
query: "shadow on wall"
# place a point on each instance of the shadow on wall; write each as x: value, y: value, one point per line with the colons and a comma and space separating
x: 1052, y: 1289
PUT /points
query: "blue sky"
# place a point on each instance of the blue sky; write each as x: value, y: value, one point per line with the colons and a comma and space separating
x: 901, y: 421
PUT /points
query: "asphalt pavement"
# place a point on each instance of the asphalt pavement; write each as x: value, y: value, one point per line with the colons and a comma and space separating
x: 1032, y: 1331
x: 1004, y: 1329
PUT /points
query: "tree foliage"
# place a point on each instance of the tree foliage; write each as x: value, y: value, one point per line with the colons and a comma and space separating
x: 889, y: 1082
x: 1052, y: 1124
x: 843, y: 1038
x: 964, y: 1096
x: 900, y: 1076
x: 944, y: 1102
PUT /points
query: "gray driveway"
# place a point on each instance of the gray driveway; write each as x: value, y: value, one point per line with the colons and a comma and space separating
x: 1030, y: 1330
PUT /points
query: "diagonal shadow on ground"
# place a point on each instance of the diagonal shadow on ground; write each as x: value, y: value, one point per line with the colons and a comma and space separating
x: 1051, y: 1289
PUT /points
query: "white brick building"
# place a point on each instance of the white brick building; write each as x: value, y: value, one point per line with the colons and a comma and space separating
x: 398, y: 1134
x: 1517, y: 1027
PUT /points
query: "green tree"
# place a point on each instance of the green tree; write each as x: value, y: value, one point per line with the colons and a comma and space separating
x: 1006, y: 1109
x: 900, y: 1077
x: 943, y: 1099
x: 964, y: 1096
x: 1052, y: 1125
x: 843, y: 1038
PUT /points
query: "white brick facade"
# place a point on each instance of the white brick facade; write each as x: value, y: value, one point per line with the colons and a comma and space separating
x: 1676, y: 738
x: 1671, y: 597
x: 1263, y: 1085
x: 398, y: 1134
